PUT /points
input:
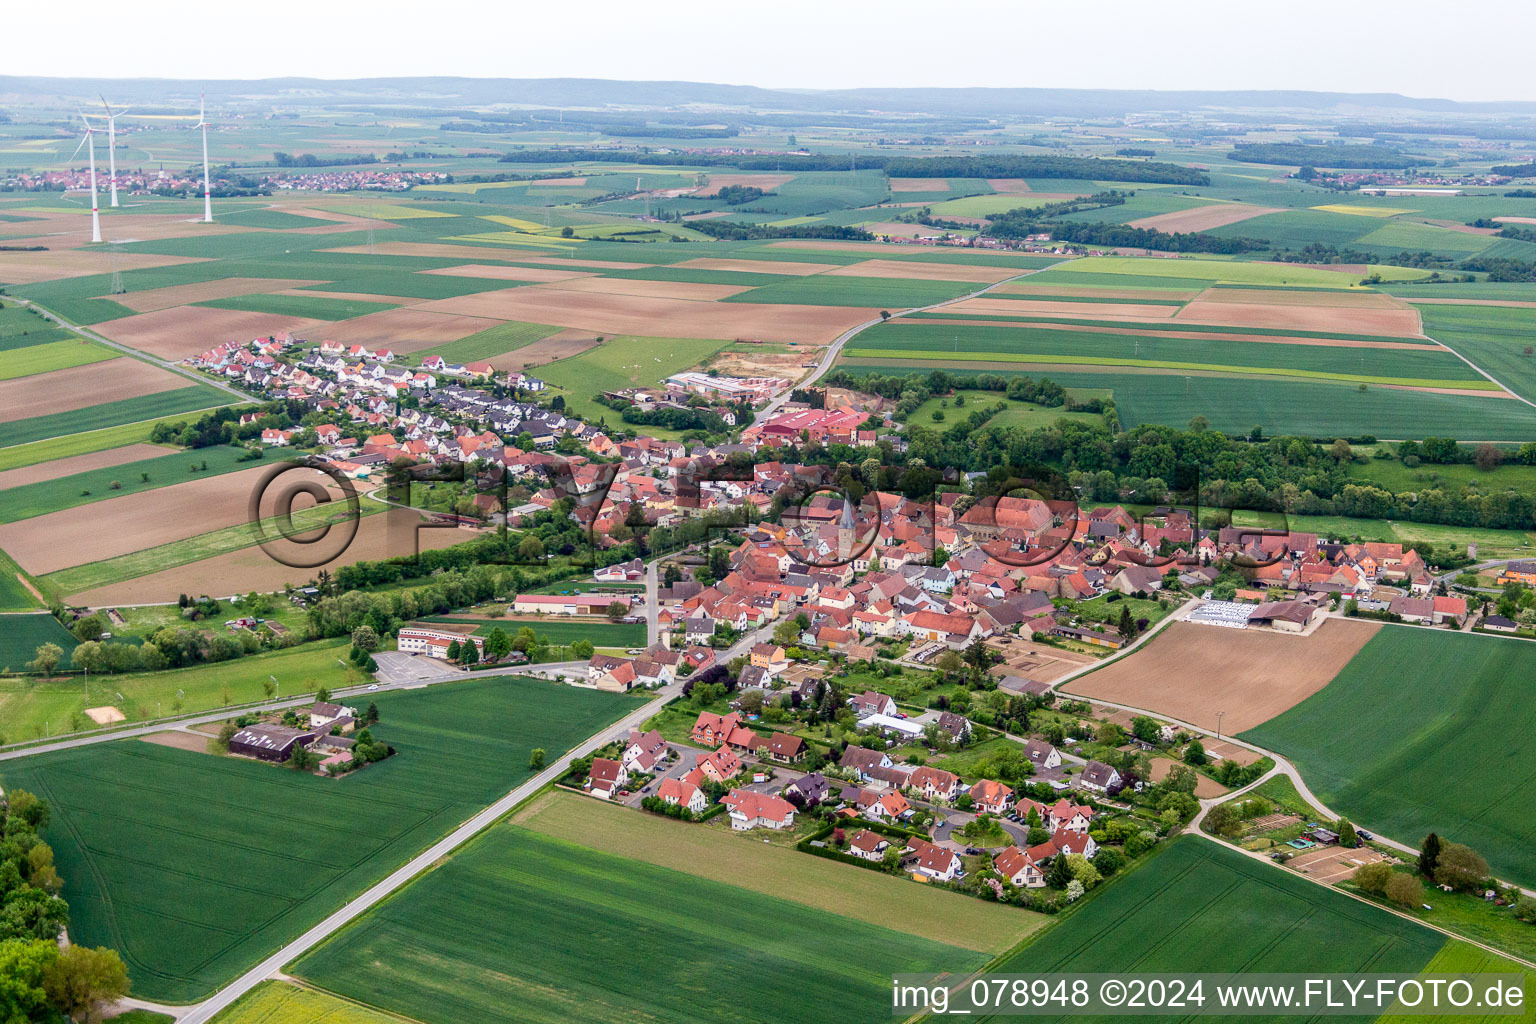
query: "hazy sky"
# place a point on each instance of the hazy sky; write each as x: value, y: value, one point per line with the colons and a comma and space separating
x: 1408, y: 46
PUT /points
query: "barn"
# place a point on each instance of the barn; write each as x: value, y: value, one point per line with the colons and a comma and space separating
x: 269, y: 742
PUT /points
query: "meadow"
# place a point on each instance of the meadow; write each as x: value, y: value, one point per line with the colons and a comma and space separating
x: 96, y: 485
x: 1024, y: 415
x: 519, y: 926
x: 193, y: 892
x: 623, y: 362
x: 1196, y: 906
x: 486, y: 344
x: 1425, y: 730
x: 1490, y: 543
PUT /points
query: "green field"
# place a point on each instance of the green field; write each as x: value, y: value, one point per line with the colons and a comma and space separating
x: 163, y: 470
x: 53, y: 355
x: 622, y: 362
x: 1024, y: 415
x: 1490, y: 543
x: 112, y: 414
x: 1211, y: 271
x: 877, y: 292
x: 279, y: 1002
x: 1392, y: 475
x: 1494, y: 337
x: 192, y: 892
x: 13, y: 596
x: 523, y: 927
x: 317, y: 307
x: 20, y: 636
x: 1425, y: 730
x: 486, y: 344
x: 1200, y: 907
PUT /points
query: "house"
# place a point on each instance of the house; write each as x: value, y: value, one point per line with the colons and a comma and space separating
x: 991, y: 797
x: 606, y: 777
x: 645, y: 751
x: 808, y: 790
x: 1133, y: 579
x: 769, y: 657
x: 1018, y: 868
x: 934, y: 783
x: 326, y: 716
x: 892, y: 806
x: 930, y: 861
x: 269, y: 742
x: 622, y: 572
x: 1499, y: 624
x: 860, y: 760
x: 750, y: 809
x: 682, y: 793
x: 784, y: 748
x: 1450, y: 609
x: 871, y: 703
x: 867, y: 845
x: 1069, y: 817
x: 720, y: 765
x: 1065, y: 842
x: 712, y: 730
x: 1041, y: 754
x: 956, y: 727
x: 1100, y: 778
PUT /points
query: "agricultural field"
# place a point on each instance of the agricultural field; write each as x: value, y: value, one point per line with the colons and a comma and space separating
x: 14, y: 594
x: 128, y: 410
x: 1500, y: 339
x: 35, y: 499
x: 622, y: 362
x: 1190, y: 671
x: 1414, y: 709
x: 20, y: 636
x: 281, y: 1002
x: 53, y: 355
x: 438, y: 951
x: 193, y: 893
x: 1231, y: 914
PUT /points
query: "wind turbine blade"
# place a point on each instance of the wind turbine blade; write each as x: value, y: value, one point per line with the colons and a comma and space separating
x: 79, y: 147
x: 105, y: 105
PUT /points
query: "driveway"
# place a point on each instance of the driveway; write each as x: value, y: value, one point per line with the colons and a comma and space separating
x: 396, y: 667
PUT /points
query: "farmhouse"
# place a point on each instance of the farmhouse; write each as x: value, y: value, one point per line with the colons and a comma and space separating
x: 269, y: 742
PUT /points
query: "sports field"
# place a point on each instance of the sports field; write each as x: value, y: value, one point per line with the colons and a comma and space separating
x: 523, y: 927
x: 1197, y: 906
x: 194, y: 891
x: 1426, y: 730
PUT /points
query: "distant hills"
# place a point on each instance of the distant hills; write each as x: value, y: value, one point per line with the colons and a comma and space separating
x: 447, y: 93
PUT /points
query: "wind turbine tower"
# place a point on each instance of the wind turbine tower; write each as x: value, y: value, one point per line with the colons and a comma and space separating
x: 90, y: 141
x: 202, y: 122
x: 112, y: 148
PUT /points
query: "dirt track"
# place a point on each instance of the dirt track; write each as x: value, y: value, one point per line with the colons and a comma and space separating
x: 1192, y: 671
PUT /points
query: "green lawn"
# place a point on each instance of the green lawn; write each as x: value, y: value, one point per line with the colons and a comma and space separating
x: 53, y: 355
x: 622, y: 362
x: 616, y: 940
x: 1200, y: 907
x: 1425, y: 730
x: 193, y: 891
x: 95, y: 485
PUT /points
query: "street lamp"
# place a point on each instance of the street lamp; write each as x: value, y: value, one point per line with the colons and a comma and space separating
x: 1219, y: 716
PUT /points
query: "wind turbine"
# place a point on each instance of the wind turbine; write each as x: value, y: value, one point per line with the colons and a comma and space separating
x: 202, y: 122
x: 90, y: 139
x: 112, y: 148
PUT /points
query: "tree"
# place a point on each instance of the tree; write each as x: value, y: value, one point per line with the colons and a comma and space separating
x: 372, y: 714
x: 1145, y: 729
x: 322, y: 695
x: 1223, y: 821
x: 1341, y: 451
x: 497, y: 644
x: 226, y: 733
x: 81, y: 979
x: 1460, y: 867
x: 1083, y: 871
x: 364, y: 638
x: 1060, y: 873
x: 1195, y: 753
x: 90, y: 627
x: 786, y: 633
x: 1403, y: 889
x: 1373, y: 878
x: 1429, y: 855
x: 453, y: 651
x: 1347, y: 836
x: 301, y: 760
x: 536, y: 759
x: 581, y: 650
x: 24, y: 963
x: 531, y: 549
x: 1487, y: 457
x: 47, y: 657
